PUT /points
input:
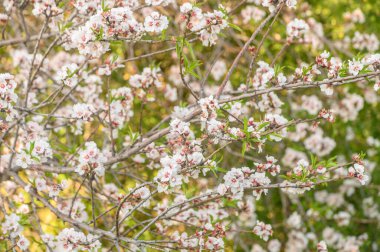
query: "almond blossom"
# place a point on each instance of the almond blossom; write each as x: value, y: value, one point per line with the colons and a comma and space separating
x: 156, y: 22
x: 91, y: 159
x: 296, y: 28
x: 263, y: 230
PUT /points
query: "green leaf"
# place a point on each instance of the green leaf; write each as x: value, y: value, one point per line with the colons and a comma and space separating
x: 244, y: 148
x: 274, y: 135
x: 114, y: 58
x: 220, y: 169
x: 235, y: 27
x: 245, y: 121
x: 263, y: 125
x: 133, y: 136
x: 190, y: 66
x: 189, y: 46
x: 24, y: 220
x: 62, y: 27
x: 278, y: 69
x: 213, y: 171
x: 61, y: 4
x: 58, y: 156
x: 179, y: 46
x: 31, y: 147
x: 98, y: 35
x: 104, y: 6
x: 163, y: 34
x: 313, y: 160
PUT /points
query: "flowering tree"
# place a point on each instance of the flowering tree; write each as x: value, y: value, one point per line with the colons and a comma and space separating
x: 131, y: 125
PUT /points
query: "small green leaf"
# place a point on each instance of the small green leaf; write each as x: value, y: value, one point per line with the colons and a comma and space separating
x: 263, y: 125
x: 31, y: 147
x: 244, y: 148
x: 235, y: 27
x: 163, y: 34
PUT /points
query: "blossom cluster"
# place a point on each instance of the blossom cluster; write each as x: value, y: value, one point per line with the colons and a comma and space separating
x: 238, y: 179
x: 186, y: 153
x: 206, y: 25
x: 12, y: 226
x: 69, y: 239
x: 35, y: 152
x: 91, y: 159
x: 8, y: 97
